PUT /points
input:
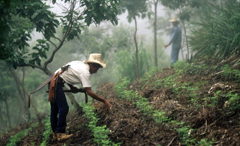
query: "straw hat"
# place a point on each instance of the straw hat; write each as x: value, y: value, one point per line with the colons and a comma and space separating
x: 96, y: 58
x: 174, y: 19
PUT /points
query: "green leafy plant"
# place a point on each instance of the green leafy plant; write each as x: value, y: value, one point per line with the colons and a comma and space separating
x: 160, y: 116
x: 212, y: 101
x: 180, y: 67
x: 46, y: 134
x: 233, y: 101
x: 155, y: 83
x: 189, y: 68
x: 192, y: 91
x: 129, y: 94
x: 204, y: 142
x: 169, y: 81
x: 17, y: 137
x: 185, y: 132
x: 230, y: 74
x: 144, y: 106
x: 121, y: 86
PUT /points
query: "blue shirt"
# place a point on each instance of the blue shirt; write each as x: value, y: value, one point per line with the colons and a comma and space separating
x: 176, y: 35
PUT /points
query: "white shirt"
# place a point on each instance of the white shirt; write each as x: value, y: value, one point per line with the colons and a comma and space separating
x: 77, y: 72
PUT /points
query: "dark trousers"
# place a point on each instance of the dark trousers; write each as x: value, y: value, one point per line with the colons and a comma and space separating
x: 59, y: 110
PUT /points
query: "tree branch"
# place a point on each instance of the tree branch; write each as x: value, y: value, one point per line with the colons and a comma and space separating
x: 64, y: 36
x: 53, y: 43
x: 57, y: 38
x: 30, y: 65
x: 45, y: 70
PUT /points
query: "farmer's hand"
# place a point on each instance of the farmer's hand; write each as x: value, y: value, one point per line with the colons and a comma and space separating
x: 74, y: 89
x: 166, y: 45
x: 107, y: 105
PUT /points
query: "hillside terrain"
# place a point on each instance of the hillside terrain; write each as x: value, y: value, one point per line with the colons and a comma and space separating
x: 190, y: 104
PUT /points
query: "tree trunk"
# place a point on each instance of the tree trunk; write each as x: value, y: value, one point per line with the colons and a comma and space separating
x: 136, y: 45
x: 155, y: 34
x: 8, y: 115
x: 21, y: 94
x: 33, y: 103
x: 185, y: 32
x: 3, y: 121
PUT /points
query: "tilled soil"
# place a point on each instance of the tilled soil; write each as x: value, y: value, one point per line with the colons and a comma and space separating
x: 131, y: 127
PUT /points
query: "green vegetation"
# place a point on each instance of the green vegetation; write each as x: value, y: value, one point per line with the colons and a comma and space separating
x: 100, y: 133
x: 233, y: 102
x: 145, y: 107
x: 229, y: 100
x: 230, y: 74
x: 46, y: 134
x: 17, y: 137
x: 190, y: 68
x: 190, y: 90
x: 216, y: 35
x: 160, y: 117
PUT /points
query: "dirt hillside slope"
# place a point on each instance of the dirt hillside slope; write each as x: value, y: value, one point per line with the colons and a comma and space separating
x: 200, y: 107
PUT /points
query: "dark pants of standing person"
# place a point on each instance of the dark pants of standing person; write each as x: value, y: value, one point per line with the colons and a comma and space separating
x: 59, y: 110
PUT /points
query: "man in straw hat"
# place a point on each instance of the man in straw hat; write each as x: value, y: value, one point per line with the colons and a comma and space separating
x: 175, y: 40
x: 77, y: 72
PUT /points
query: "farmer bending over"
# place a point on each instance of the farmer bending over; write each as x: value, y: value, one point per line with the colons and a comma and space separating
x: 74, y: 72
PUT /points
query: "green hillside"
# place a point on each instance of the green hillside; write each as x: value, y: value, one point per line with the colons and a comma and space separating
x: 191, y: 104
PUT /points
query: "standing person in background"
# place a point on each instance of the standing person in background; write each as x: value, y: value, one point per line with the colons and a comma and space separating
x: 175, y: 40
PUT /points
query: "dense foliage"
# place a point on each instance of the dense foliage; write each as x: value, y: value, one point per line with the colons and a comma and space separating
x: 36, y: 14
x: 217, y: 35
x: 17, y: 22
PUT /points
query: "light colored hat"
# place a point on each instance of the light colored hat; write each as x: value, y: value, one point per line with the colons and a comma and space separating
x: 96, y: 58
x: 174, y: 19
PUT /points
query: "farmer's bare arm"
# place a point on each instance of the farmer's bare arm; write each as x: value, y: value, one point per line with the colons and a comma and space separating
x: 95, y: 96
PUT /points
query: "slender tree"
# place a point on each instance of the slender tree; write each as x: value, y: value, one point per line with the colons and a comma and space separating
x: 155, y: 33
x: 19, y: 85
x: 155, y: 4
x: 6, y: 94
x: 136, y: 46
x: 135, y: 8
x: 4, y: 99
